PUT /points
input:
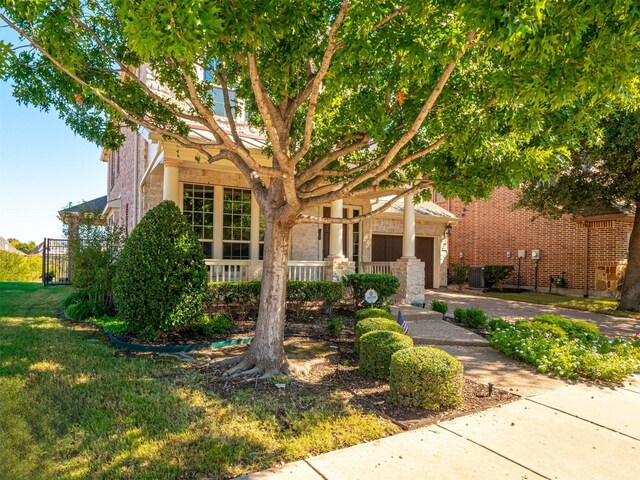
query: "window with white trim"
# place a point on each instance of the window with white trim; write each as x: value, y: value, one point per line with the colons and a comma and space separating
x: 197, y: 207
x: 236, y: 224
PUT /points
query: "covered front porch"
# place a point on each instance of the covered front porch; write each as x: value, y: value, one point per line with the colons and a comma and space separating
x: 408, y: 241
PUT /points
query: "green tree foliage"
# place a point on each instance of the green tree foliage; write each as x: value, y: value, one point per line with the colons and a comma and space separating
x: 93, y: 252
x: 161, y: 278
x: 352, y: 96
x: 603, y: 178
x: 17, y: 268
x: 25, y: 247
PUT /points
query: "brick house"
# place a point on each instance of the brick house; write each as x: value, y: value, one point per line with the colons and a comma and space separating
x: 408, y: 242
x: 591, y: 249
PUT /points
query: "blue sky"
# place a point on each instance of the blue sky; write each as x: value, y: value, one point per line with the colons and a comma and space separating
x: 43, y: 167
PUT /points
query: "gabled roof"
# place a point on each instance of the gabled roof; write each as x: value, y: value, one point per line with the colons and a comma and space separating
x: 6, y: 246
x: 423, y: 210
x: 96, y: 205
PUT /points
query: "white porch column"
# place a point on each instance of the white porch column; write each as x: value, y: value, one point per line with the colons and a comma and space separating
x: 254, y: 248
x: 335, y: 231
x: 170, y: 190
x: 409, y: 230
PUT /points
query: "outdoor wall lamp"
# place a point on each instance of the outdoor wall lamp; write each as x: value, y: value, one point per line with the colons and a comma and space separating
x: 461, y: 255
x: 508, y: 254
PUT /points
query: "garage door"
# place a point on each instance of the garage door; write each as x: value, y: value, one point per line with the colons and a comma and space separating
x: 388, y: 248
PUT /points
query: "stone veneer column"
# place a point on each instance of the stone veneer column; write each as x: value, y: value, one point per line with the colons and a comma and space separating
x: 409, y: 228
x: 410, y: 272
x: 170, y: 187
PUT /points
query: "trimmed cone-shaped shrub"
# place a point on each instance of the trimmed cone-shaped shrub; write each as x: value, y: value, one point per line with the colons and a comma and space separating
x: 372, y: 313
x: 371, y: 325
x: 161, y: 278
x: 376, y: 349
x: 425, y: 377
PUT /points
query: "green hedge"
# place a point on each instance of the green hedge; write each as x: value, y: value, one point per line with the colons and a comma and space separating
x: 160, y: 280
x: 373, y: 324
x: 425, y: 377
x: 372, y: 313
x: 440, y: 306
x: 376, y: 349
x: 241, y: 299
x: 577, y: 328
x: 496, y: 273
x: 541, y: 327
x: 600, y: 359
x: 498, y: 323
x: 473, y: 317
x: 384, y: 285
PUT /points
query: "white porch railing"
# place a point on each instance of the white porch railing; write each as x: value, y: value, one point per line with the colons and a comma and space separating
x: 227, y: 270
x: 238, y: 270
x: 376, y: 267
x: 306, y: 270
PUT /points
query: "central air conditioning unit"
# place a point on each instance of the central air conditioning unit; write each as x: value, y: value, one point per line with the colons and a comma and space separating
x: 476, y: 277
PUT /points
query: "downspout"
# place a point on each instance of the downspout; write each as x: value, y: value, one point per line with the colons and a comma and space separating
x: 586, y: 261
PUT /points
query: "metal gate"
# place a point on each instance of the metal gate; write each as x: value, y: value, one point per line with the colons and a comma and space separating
x: 56, y: 269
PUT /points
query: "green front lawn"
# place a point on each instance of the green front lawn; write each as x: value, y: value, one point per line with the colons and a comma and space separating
x: 596, y: 305
x: 25, y: 299
x: 73, y: 407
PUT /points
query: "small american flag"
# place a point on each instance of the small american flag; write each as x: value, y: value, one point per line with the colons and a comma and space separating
x: 402, y: 322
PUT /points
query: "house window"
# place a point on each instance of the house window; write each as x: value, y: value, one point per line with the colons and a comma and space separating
x: 197, y: 207
x: 218, y: 102
x: 236, y: 223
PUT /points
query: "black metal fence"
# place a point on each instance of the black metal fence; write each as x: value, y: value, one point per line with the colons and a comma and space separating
x: 56, y: 269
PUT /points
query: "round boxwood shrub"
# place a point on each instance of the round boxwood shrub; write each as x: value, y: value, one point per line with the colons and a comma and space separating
x: 161, y: 278
x: 376, y: 349
x: 425, y: 377
x: 372, y: 313
x: 371, y: 325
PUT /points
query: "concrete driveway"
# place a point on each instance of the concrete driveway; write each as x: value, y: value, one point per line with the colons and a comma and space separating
x: 511, y: 310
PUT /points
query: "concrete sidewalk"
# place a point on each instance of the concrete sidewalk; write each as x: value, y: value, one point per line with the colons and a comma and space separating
x: 572, y: 432
x: 482, y: 363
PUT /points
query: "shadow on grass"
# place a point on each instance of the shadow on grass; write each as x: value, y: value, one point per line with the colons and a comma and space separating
x: 71, y: 407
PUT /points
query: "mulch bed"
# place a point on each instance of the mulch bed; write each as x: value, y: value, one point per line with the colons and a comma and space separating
x: 328, y: 368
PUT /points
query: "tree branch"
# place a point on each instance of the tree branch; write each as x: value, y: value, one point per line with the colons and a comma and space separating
x: 126, y: 71
x: 389, y: 17
x: 317, y: 82
x: 200, y: 146
x: 421, y: 185
x: 268, y: 111
x: 222, y: 76
x: 312, y: 170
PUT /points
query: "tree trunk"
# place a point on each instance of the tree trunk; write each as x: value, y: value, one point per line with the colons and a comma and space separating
x: 266, y: 353
x: 630, y: 297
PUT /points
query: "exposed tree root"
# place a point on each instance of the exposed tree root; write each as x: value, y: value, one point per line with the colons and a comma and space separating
x: 245, y: 367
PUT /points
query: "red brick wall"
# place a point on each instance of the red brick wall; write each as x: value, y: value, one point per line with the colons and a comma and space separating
x: 123, y: 186
x: 490, y: 228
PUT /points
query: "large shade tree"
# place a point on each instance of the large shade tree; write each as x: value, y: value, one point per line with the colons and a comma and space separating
x: 603, y: 177
x: 353, y: 97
